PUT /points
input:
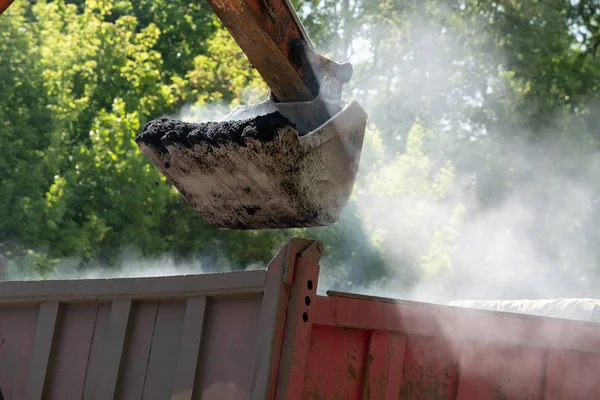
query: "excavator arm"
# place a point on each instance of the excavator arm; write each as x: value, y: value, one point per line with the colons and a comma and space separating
x: 4, y: 5
x: 275, y: 42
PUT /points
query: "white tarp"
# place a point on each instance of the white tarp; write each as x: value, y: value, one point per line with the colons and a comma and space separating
x: 576, y: 309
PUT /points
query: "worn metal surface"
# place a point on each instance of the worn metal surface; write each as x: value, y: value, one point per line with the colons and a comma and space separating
x: 385, y: 360
x: 431, y: 352
x: 298, y: 323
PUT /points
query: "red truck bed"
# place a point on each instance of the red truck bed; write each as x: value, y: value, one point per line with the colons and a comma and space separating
x: 265, y: 334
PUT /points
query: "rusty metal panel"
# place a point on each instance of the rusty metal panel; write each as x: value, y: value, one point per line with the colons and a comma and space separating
x: 385, y: 358
x: 457, y: 324
x: 492, y: 371
x: 430, y: 369
x: 449, y: 353
x: 335, y: 363
x: 572, y: 375
x: 298, y: 324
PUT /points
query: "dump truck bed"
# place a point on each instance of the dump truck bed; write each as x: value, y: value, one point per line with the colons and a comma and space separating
x: 265, y: 334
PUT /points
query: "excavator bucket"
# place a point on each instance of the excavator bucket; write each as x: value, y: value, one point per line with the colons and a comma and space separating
x: 261, y: 172
x: 287, y: 162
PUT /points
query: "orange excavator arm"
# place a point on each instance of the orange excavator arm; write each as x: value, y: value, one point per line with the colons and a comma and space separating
x: 4, y: 5
x: 277, y: 45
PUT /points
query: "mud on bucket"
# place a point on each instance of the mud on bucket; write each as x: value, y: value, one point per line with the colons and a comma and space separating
x: 292, y: 166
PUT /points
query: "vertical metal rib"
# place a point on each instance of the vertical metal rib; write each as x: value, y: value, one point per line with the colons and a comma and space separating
x: 114, y: 343
x: 42, y: 350
x: 385, y: 359
x: 189, y: 349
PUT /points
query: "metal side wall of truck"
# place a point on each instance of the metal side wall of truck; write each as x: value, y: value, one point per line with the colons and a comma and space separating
x: 266, y: 334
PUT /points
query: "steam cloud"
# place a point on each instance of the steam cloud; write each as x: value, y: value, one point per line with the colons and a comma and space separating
x: 535, y: 242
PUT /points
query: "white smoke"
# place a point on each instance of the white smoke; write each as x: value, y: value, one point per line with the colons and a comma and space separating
x: 534, y: 242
